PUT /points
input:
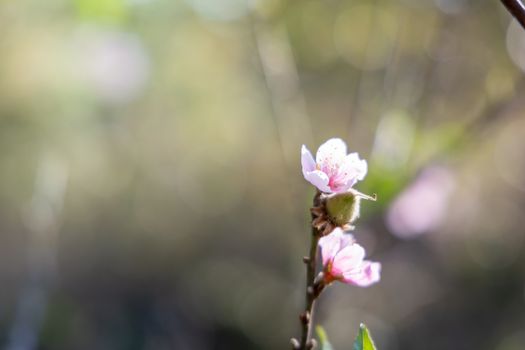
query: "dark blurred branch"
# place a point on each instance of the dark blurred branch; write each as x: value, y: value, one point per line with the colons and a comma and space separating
x: 517, y: 9
x: 44, y: 221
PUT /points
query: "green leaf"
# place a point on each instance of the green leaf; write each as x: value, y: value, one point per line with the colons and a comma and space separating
x: 323, y: 339
x: 364, y: 340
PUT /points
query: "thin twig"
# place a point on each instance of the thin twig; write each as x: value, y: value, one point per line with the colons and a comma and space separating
x: 517, y: 9
x: 312, y: 292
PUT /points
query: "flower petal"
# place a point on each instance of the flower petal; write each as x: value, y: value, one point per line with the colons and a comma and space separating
x: 368, y: 274
x: 340, y: 186
x: 348, y: 259
x: 331, y: 155
x: 352, y: 170
x: 359, y: 166
x: 331, y: 244
x: 307, y: 160
x: 319, y: 180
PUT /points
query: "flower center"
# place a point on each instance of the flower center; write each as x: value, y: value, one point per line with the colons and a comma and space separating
x: 329, y: 277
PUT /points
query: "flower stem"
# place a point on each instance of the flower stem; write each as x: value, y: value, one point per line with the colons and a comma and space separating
x: 312, y: 292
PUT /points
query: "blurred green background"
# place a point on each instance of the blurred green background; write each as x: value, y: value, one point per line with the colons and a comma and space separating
x: 151, y: 195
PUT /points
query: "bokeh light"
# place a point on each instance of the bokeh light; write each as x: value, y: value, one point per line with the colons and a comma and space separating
x: 151, y: 194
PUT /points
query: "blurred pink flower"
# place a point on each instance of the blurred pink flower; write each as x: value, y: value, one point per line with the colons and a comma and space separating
x: 333, y: 170
x: 343, y: 260
x: 423, y: 205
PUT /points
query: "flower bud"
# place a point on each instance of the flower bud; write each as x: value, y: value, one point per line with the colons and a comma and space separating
x: 343, y: 208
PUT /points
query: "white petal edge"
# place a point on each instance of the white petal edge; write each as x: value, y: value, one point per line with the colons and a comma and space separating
x: 334, y: 148
x: 307, y: 160
x: 359, y: 166
x: 319, y: 180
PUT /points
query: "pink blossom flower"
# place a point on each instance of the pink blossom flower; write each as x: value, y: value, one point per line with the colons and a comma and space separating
x: 343, y: 260
x: 333, y: 171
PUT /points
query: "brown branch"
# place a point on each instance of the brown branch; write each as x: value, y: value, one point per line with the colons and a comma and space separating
x: 517, y: 9
x: 313, y: 290
x: 307, y: 316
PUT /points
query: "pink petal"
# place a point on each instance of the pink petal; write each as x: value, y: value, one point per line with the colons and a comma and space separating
x: 352, y: 170
x: 346, y: 239
x: 340, y: 185
x: 348, y: 259
x: 307, y: 160
x: 331, y: 244
x: 319, y: 180
x: 367, y: 274
x: 331, y: 155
